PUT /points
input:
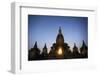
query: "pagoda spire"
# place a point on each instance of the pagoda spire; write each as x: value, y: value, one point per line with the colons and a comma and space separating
x: 45, y: 46
x: 84, y: 49
x: 84, y: 43
x: 74, y: 44
x: 60, y: 38
x: 44, y: 53
x: 60, y: 31
x: 75, y: 47
x: 35, y: 45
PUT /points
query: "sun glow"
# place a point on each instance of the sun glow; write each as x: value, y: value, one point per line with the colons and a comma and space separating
x: 60, y: 51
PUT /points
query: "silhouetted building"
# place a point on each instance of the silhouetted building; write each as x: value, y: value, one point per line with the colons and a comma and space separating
x: 84, y: 50
x: 34, y: 53
x: 44, y: 54
x: 60, y: 49
x: 75, y: 53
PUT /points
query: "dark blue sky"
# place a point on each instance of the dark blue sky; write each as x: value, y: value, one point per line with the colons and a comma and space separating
x: 44, y: 29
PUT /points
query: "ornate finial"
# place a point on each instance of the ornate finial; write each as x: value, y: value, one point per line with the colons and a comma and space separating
x: 60, y: 30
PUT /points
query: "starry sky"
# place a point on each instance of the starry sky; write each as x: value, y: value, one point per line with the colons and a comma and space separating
x: 44, y: 29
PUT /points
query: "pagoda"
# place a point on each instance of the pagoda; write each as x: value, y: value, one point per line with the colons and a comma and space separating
x: 60, y: 49
x: 34, y: 53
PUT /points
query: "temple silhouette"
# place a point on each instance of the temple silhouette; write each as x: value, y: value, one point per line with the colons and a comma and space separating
x: 59, y: 50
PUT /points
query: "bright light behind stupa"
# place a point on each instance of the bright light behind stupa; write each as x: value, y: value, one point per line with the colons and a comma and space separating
x: 60, y: 51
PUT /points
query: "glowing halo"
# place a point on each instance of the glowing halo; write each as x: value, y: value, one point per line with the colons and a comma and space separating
x: 60, y: 51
